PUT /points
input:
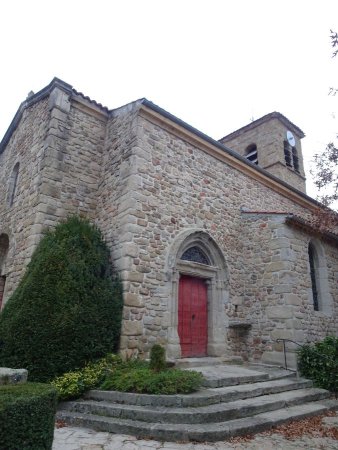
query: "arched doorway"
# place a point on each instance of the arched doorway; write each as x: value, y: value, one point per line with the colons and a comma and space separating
x: 198, y: 294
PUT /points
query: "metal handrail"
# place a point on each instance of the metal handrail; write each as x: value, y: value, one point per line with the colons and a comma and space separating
x: 301, y: 345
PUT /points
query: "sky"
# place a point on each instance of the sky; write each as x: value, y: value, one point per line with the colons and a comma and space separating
x: 216, y: 64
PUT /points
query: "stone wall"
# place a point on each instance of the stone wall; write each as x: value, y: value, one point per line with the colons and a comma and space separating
x: 150, y: 188
x: 17, y: 221
x: 278, y: 294
x: 180, y: 187
x: 59, y: 145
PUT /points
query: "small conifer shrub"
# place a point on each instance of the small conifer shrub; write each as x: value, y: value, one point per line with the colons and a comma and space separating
x: 157, y: 358
x: 67, y: 308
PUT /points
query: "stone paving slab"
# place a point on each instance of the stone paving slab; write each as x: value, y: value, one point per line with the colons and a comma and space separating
x: 74, y: 438
x: 227, y: 375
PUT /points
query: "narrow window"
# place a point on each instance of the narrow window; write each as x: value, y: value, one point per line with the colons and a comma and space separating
x: 4, y: 245
x: 295, y: 159
x: 12, y: 184
x: 287, y: 154
x: 313, y: 275
x: 251, y: 153
x: 2, y: 288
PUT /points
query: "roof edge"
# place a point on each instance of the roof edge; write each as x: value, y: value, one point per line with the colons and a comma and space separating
x: 299, y: 222
x: 30, y: 101
x: 256, y: 123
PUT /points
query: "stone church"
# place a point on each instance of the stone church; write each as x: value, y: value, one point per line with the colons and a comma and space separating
x: 212, y: 239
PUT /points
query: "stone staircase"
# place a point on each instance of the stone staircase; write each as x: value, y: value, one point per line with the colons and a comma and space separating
x: 235, y: 400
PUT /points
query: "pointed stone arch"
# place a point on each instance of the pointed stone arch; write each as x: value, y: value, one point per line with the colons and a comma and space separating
x: 215, y: 275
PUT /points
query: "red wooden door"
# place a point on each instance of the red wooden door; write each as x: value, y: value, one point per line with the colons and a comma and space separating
x: 192, y: 316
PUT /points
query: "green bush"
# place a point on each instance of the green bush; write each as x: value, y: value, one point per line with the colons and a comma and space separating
x: 319, y: 362
x: 27, y: 416
x: 157, y: 358
x: 67, y: 309
x: 72, y: 385
x: 139, y: 378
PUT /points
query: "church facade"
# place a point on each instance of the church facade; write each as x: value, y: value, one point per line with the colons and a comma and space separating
x: 213, y: 240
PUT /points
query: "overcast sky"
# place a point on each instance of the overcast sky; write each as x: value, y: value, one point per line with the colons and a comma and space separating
x: 216, y: 64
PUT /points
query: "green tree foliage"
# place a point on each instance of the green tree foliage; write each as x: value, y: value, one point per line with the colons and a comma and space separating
x: 319, y: 362
x: 325, y: 171
x: 67, y: 309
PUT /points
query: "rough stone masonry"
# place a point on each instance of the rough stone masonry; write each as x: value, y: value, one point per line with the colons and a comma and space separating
x: 161, y: 190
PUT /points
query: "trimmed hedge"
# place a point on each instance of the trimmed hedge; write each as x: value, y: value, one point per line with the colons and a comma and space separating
x: 319, y: 362
x: 67, y: 310
x: 27, y: 416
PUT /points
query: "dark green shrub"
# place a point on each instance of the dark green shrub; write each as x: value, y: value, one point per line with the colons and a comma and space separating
x: 66, y: 310
x: 72, y: 385
x: 319, y: 362
x: 157, y: 358
x: 27, y: 416
x: 139, y: 378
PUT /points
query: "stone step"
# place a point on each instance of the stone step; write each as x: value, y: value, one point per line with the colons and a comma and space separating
x: 203, y: 397
x: 219, y: 412
x: 227, y: 375
x: 185, y: 363
x: 197, y: 432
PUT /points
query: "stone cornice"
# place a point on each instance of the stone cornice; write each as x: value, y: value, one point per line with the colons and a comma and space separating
x: 214, y: 148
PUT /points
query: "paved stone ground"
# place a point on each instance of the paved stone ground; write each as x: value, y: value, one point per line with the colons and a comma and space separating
x: 72, y: 438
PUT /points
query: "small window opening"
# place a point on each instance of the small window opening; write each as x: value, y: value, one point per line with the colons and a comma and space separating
x: 2, y: 288
x: 291, y: 156
x: 295, y: 159
x: 251, y: 153
x: 312, y: 261
x: 287, y: 154
x: 195, y: 254
x: 13, y: 184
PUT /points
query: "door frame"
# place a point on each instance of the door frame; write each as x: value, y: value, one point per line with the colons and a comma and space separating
x: 218, y: 295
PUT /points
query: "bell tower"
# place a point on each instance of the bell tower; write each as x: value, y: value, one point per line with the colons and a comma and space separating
x: 274, y: 144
